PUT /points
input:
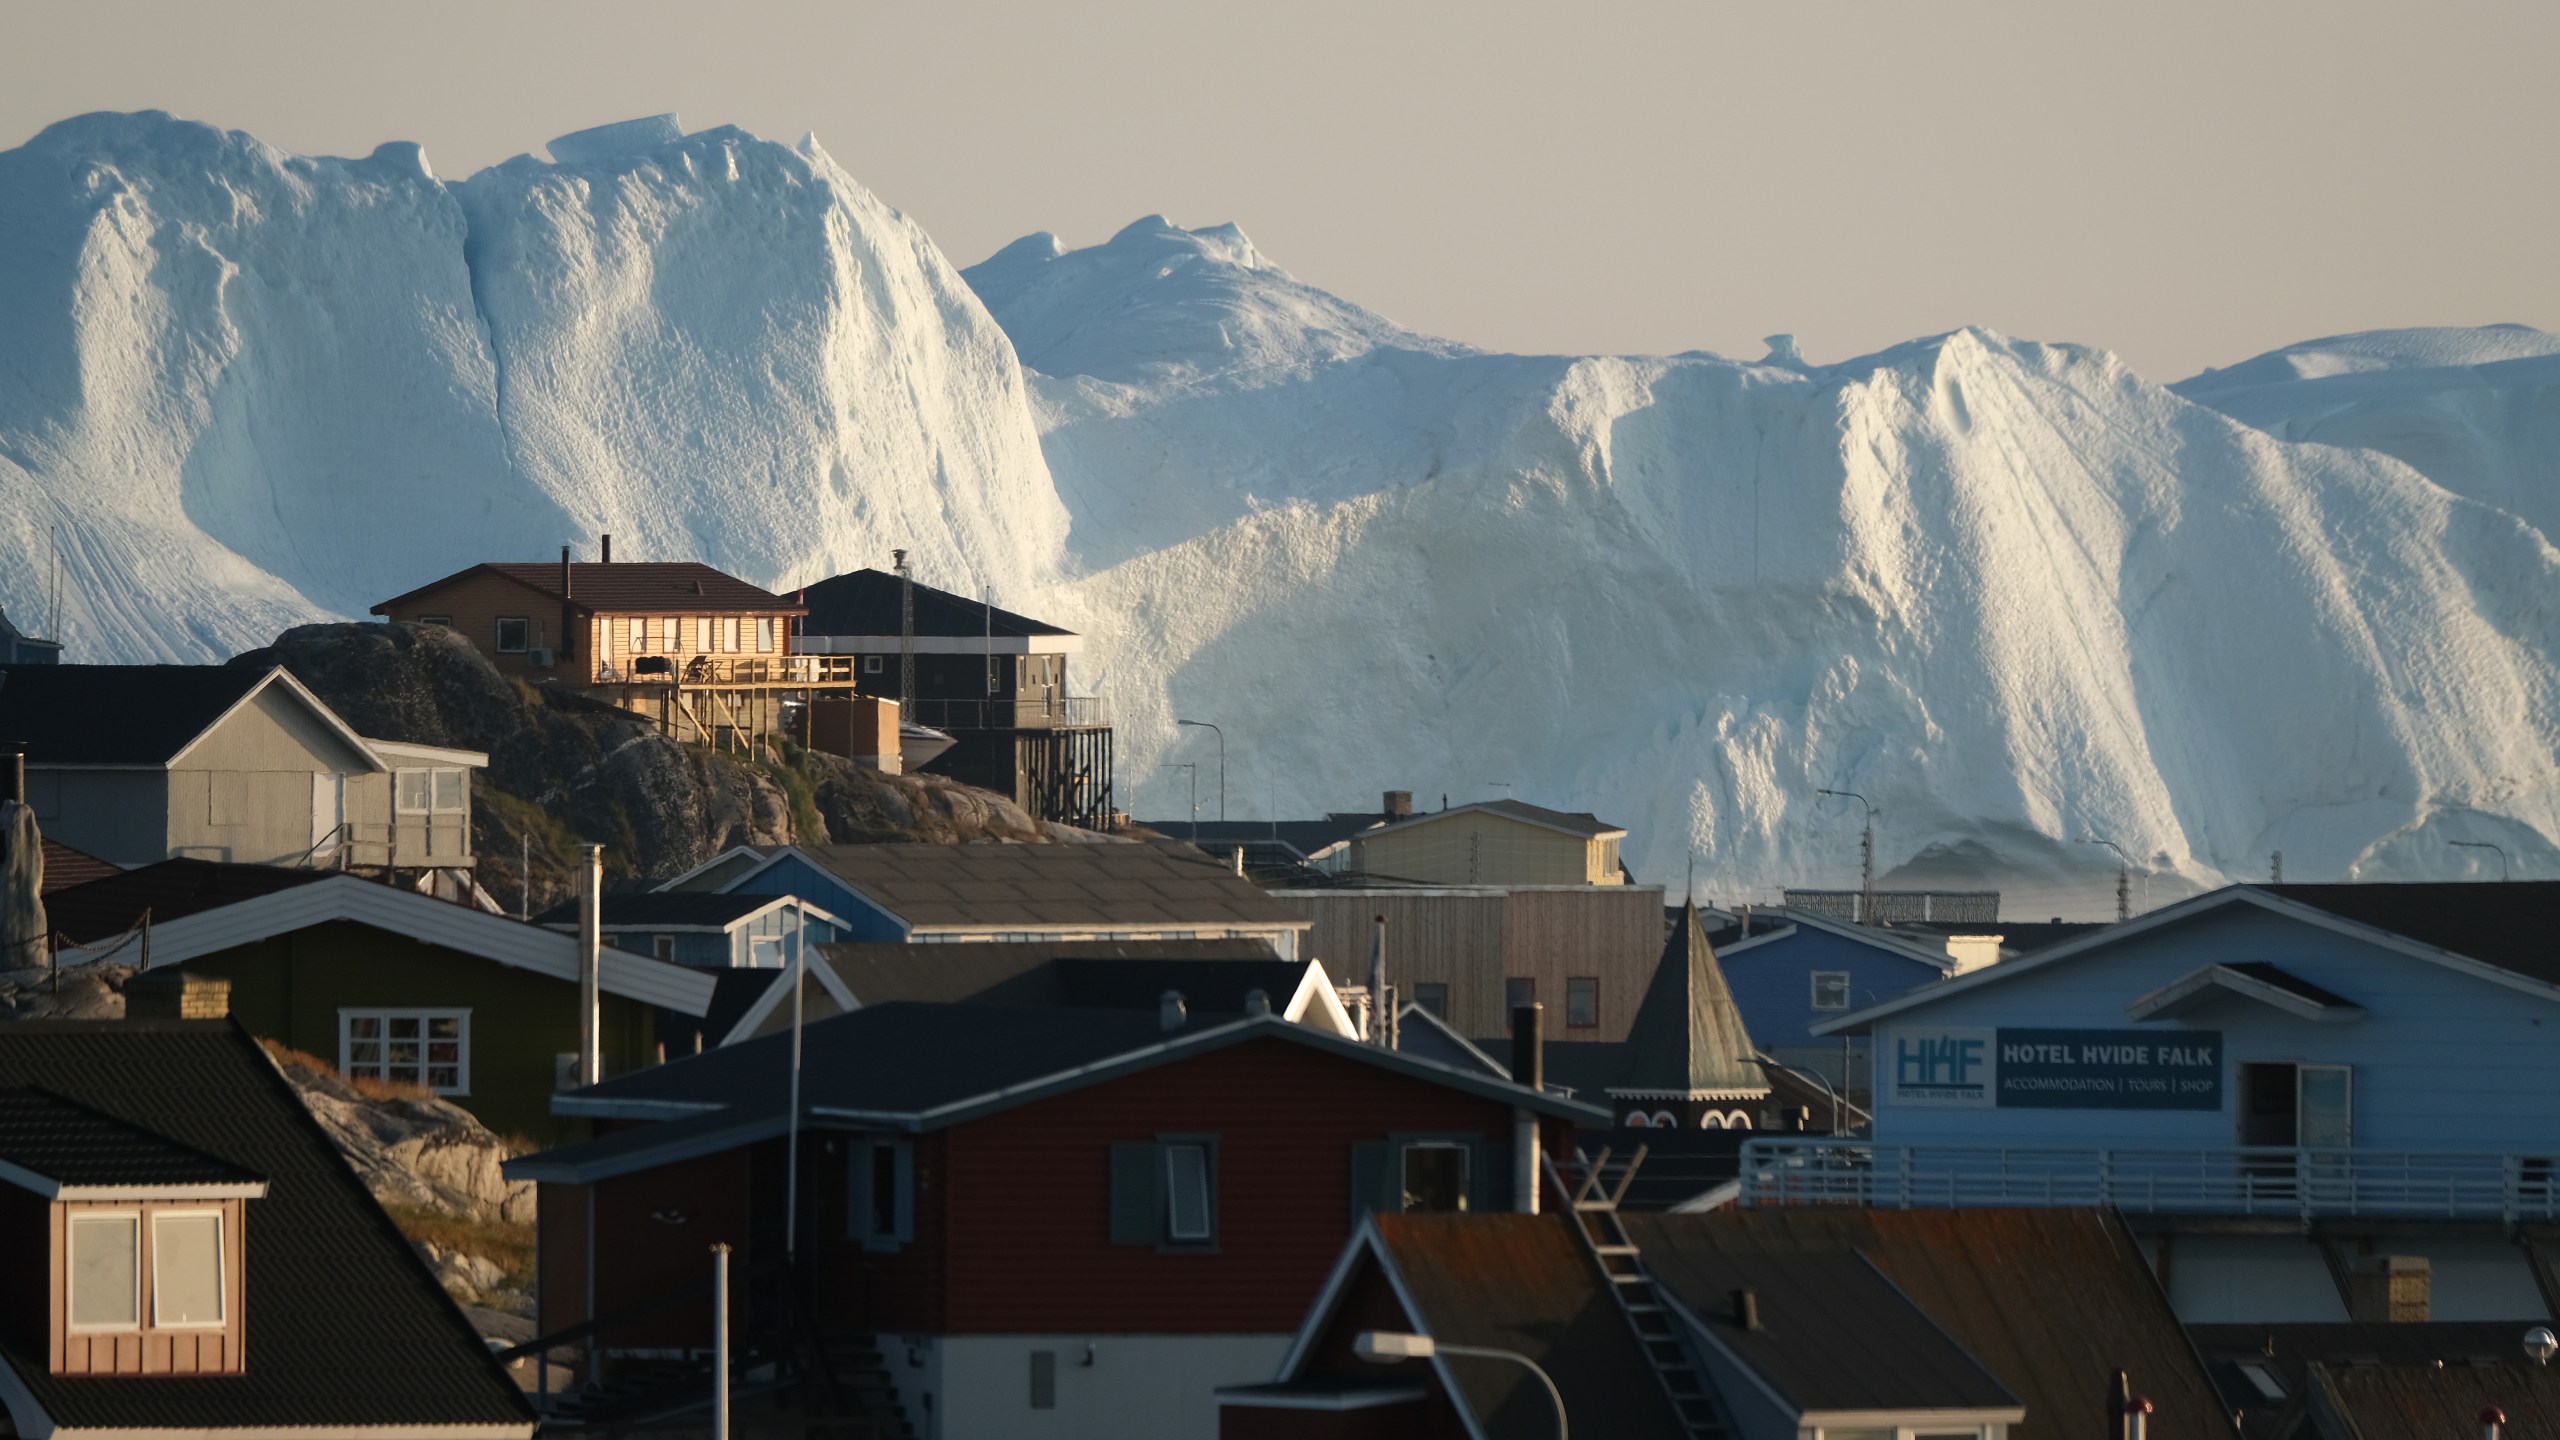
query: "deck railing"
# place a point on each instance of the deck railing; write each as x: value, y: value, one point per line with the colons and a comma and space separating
x: 731, y: 670
x: 1052, y: 712
x: 2304, y: 1183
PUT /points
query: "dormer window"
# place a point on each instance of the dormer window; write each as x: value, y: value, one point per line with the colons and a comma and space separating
x: 146, y: 1237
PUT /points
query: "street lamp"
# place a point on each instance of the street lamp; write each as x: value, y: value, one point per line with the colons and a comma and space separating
x: 1195, y: 793
x: 2484, y: 845
x: 1222, y: 764
x: 1386, y: 1347
x: 1866, y: 856
x: 1838, y: 1109
x: 2124, y: 875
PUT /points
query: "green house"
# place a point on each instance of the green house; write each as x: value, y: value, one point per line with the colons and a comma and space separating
x: 387, y: 983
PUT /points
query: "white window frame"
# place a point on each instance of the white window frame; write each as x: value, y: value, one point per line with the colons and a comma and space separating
x: 1207, y: 1198
x: 70, y: 1254
x: 1813, y: 996
x: 764, y: 634
x: 435, y: 778
x: 400, y: 782
x: 221, y: 1271
x: 728, y: 634
x: 671, y: 640
x: 870, y: 664
x: 349, y: 1014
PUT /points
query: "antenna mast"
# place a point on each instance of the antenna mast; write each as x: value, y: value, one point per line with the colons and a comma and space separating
x: 906, y: 635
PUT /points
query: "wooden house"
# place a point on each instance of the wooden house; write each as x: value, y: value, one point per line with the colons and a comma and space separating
x: 1059, y: 1221
x: 388, y: 983
x: 993, y: 680
x: 1487, y: 842
x: 188, y: 1255
x: 140, y: 763
x: 1794, y: 969
x: 708, y: 931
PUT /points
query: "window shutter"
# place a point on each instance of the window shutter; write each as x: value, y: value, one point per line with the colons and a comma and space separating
x: 1375, y: 1185
x: 1137, y: 1195
x: 1488, y: 1175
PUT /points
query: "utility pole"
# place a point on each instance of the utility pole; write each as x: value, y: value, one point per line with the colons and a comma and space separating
x: 1866, y: 856
x: 1195, y: 793
x: 1222, y: 762
x: 2124, y: 875
x: 906, y: 635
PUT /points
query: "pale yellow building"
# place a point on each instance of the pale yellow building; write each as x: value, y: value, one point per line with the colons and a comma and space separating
x: 1488, y: 842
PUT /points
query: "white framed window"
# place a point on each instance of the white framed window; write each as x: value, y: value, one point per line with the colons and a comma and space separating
x: 1830, y: 989
x: 764, y: 634
x: 430, y: 1048
x: 412, y: 791
x: 639, y: 641
x: 702, y: 634
x: 1186, y: 1184
x: 105, y: 1279
x: 870, y: 664
x: 513, y: 633
x: 452, y: 791
x: 729, y: 634
x: 670, y: 636
x: 764, y: 952
x: 186, y: 1269
x: 664, y: 947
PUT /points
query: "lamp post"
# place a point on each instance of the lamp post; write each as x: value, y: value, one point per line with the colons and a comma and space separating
x: 2484, y: 845
x: 1195, y: 793
x: 1222, y: 762
x: 2124, y: 875
x: 1386, y: 1347
x: 1838, y: 1110
x: 1866, y: 856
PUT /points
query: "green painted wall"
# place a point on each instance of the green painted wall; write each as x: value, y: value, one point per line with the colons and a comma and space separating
x: 291, y: 988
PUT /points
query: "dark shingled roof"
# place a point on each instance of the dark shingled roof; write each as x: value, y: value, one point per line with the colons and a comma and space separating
x: 2288, y: 1351
x: 1013, y: 972
x: 2052, y: 1302
x: 662, y: 907
x: 1521, y: 1283
x: 71, y: 1144
x: 65, y: 867
x: 2421, y: 1402
x: 115, y: 714
x: 1042, y: 886
x: 1688, y: 1034
x: 865, y: 602
x: 345, y: 1326
x: 672, y: 587
x: 170, y: 890
x: 1579, y: 822
x: 2508, y: 924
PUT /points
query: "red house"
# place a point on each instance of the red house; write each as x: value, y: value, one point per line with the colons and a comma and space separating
x: 1045, y: 1222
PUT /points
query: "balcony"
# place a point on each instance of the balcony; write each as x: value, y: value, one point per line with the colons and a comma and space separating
x: 729, y: 670
x: 1052, y: 712
x: 2301, y: 1184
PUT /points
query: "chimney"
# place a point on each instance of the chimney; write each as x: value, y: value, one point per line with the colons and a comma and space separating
x: 604, y: 551
x: 591, y: 968
x: 1528, y: 1046
x: 568, y: 612
x: 1171, y: 1013
x: 2390, y: 1289
x: 565, y: 590
x: 1257, y: 1003
x: 1382, y: 1022
x: 1398, y: 805
x: 1746, y: 1309
x: 176, y: 995
x: 1528, y: 1067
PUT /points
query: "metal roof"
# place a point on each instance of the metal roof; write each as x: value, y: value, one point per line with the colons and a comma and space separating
x: 645, y: 587
x: 1041, y: 887
x: 1572, y: 822
x: 139, y: 716
x: 1010, y: 971
x: 866, y: 602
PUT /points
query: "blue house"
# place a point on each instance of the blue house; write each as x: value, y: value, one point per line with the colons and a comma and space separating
x: 1795, y: 970
x: 710, y: 931
x: 2320, y: 1102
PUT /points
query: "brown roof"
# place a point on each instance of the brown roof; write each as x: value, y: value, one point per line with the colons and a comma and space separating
x: 1047, y: 886
x: 644, y: 587
x: 166, y: 891
x: 2052, y: 1302
x: 1521, y: 1283
x: 1009, y: 971
x: 65, y: 867
x: 2423, y: 1402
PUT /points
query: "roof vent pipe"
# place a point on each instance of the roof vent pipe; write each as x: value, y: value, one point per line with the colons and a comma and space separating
x: 1528, y: 1046
x: 591, y: 968
x: 604, y: 552
x: 1382, y: 1022
x: 1746, y: 1309
x: 1257, y: 1003
x: 1171, y: 1013
x: 565, y: 590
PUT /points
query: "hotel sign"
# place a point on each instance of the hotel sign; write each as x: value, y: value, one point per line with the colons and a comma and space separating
x: 1980, y: 1068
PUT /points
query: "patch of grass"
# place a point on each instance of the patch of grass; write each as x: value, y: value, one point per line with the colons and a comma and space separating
x: 792, y: 774
x: 509, y: 1247
x: 294, y: 1059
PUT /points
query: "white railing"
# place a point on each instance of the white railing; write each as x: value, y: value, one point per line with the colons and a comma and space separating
x: 2233, y: 1180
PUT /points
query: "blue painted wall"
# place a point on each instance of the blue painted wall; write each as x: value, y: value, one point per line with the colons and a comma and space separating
x: 2442, y: 1060
x: 793, y: 876
x: 1772, y: 982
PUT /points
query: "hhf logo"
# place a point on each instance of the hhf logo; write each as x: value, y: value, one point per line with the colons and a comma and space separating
x: 1943, y: 1067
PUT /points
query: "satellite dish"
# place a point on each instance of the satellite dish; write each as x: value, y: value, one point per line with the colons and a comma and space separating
x: 2541, y: 1344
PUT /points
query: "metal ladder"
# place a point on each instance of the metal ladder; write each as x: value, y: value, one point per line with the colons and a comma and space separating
x: 1593, y: 1203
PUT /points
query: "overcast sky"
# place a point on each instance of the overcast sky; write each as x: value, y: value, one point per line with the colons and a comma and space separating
x: 2185, y: 183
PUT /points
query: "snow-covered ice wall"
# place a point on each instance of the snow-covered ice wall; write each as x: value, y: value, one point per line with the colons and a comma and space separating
x: 2012, y: 592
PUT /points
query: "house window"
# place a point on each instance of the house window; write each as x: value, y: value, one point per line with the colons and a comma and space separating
x: 729, y: 634
x: 186, y: 1269
x: 764, y: 634
x: 664, y: 947
x: 765, y: 953
x: 1044, y: 1379
x: 883, y: 1187
x: 702, y: 634
x: 453, y: 791
x: 670, y: 634
x: 429, y: 1048
x: 106, y: 1272
x: 513, y: 630
x: 1435, y: 1178
x: 639, y: 634
x: 1582, y: 1002
x: 1165, y: 1193
x: 1830, y: 989
x: 1517, y: 991
x: 1434, y: 998
x: 413, y: 791
x: 870, y: 664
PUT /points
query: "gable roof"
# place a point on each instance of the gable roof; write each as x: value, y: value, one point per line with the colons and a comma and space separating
x: 2419, y: 1402
x: 217, y: 915
x: 923, y: 1067
x: 651, y: 587
x: 1688, y: 1038
x: 676, y: 910
x: 2518, y: 966
x: 2051, y: 1302
x: 1785, y: 921
x: 1507, y: 1282
x: 142, y: 716
x: 1425, y: 1035
x: 2506, y: 923
x: 347, y: 1331
x: 63, y: 1150
x: 867, y: 602
x: 1580, y: 824
x: 2250, y: 980
x: 1008, y: 971
x: 1003, y: 888
x: 65, y: 867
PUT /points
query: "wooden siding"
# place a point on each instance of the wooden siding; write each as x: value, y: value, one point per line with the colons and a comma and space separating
x: 290, y: 989
x: 148, y: 1349
x: 1474, y: 940
x: 1477, y: 847
x: 474, y: 604
x: 642, y: 1255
